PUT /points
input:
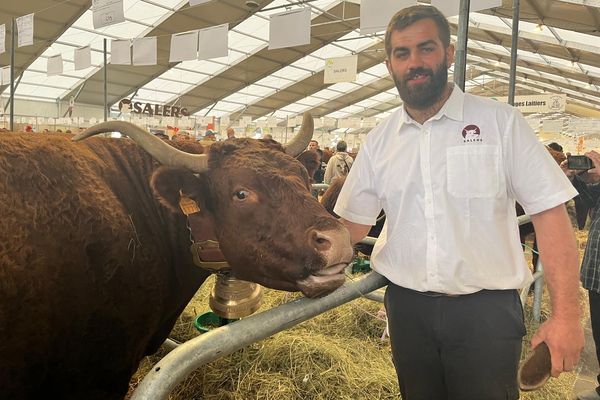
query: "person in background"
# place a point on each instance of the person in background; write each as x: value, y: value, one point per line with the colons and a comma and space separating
x: 267, y: 136
x: 587, y: 184
x: 339, y: 164
x: 313, y: 145
x: 230, y: 133
x: 446, y: 168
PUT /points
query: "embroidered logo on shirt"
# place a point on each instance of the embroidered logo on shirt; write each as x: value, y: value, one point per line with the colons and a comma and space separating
x: 471, y: 133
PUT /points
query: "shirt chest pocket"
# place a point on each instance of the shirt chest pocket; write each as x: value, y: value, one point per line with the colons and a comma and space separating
x: 473, y: 171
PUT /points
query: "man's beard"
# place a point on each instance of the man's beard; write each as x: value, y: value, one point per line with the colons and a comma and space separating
x: 423, y: 96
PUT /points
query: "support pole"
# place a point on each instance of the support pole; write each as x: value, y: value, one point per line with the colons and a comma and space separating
x: 462, y: 36
x: 513, y: 52
x: 12, y: 75
x: 105, y: 81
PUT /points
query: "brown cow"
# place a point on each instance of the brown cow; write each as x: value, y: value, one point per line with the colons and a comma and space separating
x: 95, y: 271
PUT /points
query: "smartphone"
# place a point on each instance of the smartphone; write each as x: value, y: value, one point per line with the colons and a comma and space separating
x: 579, y: 162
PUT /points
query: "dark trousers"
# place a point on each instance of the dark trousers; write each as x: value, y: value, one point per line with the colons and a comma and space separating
x: 455, y: 348
x: 595, y: 318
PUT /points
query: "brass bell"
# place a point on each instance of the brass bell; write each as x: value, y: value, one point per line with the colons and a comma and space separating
x: 232, y: 298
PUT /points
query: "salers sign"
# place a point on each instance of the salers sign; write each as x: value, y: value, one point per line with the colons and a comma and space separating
x: 127, y: 106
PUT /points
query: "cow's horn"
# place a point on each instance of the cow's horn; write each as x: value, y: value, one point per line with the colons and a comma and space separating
x: 165, y: 154
x: 299, y: 142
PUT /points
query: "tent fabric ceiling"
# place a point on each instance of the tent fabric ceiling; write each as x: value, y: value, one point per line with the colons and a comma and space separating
x: 557, y: 54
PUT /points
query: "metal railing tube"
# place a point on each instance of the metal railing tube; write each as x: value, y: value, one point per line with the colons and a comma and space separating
x: 187, y: 357
x: 377, y: 295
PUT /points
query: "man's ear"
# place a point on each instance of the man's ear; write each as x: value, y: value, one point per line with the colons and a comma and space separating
x: 169, y: 184
x: 387, y: 65
x: 450, y: 55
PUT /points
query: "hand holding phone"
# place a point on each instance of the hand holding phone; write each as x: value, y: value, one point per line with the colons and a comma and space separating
x: 579, y: 163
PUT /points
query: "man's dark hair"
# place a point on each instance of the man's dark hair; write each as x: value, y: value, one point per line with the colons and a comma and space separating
x: 409, y: 15
x: 341, y: 146
x: 555, y: 146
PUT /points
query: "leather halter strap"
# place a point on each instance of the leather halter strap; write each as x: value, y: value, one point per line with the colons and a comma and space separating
x: 205, y: 247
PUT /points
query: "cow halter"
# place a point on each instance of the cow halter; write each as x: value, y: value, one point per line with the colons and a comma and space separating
x: 205, y: 248
x: 231, y: 298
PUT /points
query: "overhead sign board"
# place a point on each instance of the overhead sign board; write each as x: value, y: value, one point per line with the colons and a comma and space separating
x: 540, y: 103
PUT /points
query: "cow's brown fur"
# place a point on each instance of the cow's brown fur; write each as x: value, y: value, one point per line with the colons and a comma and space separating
x: 95, y: 271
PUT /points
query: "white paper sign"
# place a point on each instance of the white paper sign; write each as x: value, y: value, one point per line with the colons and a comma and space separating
x: 2, y: 38
x: 224, y: 121
x: 478, y: 5
x: 184, y: 46
x: 83, y: 57
x: 213, y: 42
x: 552, y: 126
x: 449, y: 8
x: 329, y: 122
x: 55, y: 65
x: 376, y: 14
x: 289, y: 28
x: 340, y: 69
x: 271, y: 122
x: 369, y: 122
x: 5, y: 77
x: 107, y: 12
x: 144, y: 51
x: 25, y: 30
x: 120, y: 52
x: 197, y: 2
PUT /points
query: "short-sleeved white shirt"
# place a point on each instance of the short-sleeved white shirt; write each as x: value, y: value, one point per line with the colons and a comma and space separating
x: 448, y: 188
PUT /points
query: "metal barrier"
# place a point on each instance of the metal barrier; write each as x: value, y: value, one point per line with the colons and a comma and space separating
x: 184, y: 359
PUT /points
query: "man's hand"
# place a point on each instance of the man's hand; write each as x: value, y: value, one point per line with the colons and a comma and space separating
x: 570, y: 173
x: 593, y: 175
x: 565, y: 340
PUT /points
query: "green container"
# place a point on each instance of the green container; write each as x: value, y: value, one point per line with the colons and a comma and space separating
x: 209, y: 320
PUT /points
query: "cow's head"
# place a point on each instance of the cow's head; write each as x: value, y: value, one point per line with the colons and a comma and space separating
x: 270, y: 229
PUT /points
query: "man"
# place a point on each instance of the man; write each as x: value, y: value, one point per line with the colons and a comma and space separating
x: 230, y: 133
x: 313, y: 145
x: 339, y: 164
x: 447, y: 168
x: 587, y: 183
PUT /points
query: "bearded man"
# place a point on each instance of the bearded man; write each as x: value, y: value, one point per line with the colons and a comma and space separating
x: 446, y: 168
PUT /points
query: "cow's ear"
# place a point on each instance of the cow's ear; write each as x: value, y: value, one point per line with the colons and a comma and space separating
x: 168, y: 184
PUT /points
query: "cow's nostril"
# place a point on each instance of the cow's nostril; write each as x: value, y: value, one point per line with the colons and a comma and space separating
x: 320, y: 241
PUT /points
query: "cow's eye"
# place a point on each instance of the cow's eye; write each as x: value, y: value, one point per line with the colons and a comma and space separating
x: 240, y: 195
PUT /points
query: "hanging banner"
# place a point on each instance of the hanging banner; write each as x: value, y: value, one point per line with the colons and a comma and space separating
x: 82, y: 57
x: 107, y: 12
x: 5, y: 75
x: 289, y: 28
x: 144, y: 51
x: 376, y: 14
x: 478, y: 5
x: 2, y: 38
x: 120, y: 52
x: 540, y: 103
x: 552, y: 126
x: 340, y: 69
x: 184, y: 46
x: 213, y: 42
x: 55, y: 65
x: 25, y: 30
